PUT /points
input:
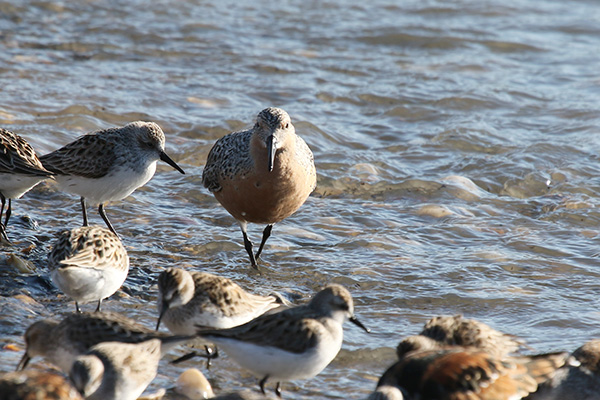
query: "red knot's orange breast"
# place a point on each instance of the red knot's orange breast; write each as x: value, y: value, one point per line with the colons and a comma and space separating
x: 259, y: 196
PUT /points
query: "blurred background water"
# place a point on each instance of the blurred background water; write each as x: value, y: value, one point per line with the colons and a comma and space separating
x: 455, y: 142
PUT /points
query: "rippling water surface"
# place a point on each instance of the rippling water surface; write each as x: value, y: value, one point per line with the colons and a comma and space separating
x: 455, y: 142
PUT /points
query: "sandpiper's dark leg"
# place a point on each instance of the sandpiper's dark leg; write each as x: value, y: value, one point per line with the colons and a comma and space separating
x: 265, y: 236
x: 278, y: 389
x: 84, y: 212
x: 262, y: 384
x: 2, y: 226
x: 3, y: 233
x: 210, y: 354
x: 3, y: 200
x: 105, y: 218
x: 77, y: 307
x: 99, y: 305
x: 248, y: 246
x: 8, y: 212
x: 184, y: 357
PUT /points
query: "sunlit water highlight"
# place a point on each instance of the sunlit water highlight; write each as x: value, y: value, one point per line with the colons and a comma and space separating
x: 455, y: 143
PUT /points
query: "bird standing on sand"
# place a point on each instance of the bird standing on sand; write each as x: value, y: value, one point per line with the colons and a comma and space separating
x: 109, y: 164
x: 20, y: 170
x: 261, y: 175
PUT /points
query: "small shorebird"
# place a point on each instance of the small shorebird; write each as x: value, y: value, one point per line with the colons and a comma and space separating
x: 579, y: 379
x: 296, y: 343
x: 456, y: 372
x: 88, y: 263
x: 188, y: 300
x: 261, y: 175
x: 20, y: 170
x: 60, y: 342
x: 116, y: 370
x: 109, y: 164
x: 36, y: 384
x: 456, y: 330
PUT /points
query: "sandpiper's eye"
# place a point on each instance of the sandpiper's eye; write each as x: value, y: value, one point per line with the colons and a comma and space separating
x: 287, y: 125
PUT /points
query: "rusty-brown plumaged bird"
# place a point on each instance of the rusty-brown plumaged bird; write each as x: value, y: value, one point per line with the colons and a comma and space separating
x: 261, y: 175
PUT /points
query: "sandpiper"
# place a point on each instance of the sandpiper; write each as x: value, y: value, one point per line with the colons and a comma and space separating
x: 261, y: 175
x: 116, y: 370
x: 188, y: 300
x: 456, y: 330
x: 20, y: 170
x: 579, y: 379
x: 296, y: 343
x: 88, y: 263
x: 60, y: 342
x: 109, y: 164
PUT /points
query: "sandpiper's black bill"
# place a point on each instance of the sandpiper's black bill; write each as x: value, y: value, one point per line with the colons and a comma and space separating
x: 356, y: 322
x: 24, y: 361
x: 165, y: 307
x: 164, y: 157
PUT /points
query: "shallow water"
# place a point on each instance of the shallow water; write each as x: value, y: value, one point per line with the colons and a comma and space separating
x: 455, y: 145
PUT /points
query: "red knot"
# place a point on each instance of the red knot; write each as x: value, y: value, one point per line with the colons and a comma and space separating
x: 456, y: 372
x: 261, y: 175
